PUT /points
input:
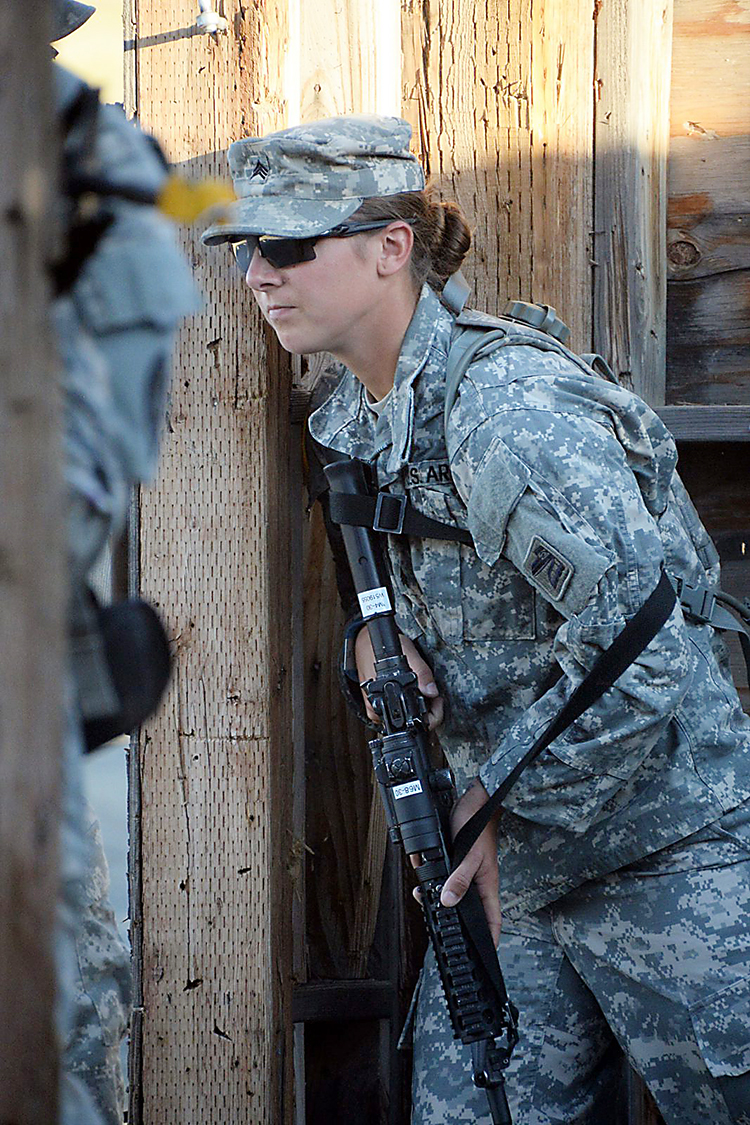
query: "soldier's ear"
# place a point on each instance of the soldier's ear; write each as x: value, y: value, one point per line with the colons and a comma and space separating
x: 395, y: 246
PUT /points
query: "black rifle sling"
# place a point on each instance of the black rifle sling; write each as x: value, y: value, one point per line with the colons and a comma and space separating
x: 391, y: 514
x: 626, y: 647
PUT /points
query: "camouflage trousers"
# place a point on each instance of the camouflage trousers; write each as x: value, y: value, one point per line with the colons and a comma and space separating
x: 93, y: 964
x: 652, y: 960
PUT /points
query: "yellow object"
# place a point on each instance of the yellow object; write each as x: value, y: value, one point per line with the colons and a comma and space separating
x: 185, y: 201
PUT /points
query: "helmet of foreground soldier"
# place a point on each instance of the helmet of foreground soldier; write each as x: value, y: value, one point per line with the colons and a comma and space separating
x: 68, y: 16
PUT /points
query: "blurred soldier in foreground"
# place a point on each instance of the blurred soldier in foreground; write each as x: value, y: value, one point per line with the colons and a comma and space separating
x: 121, y: 288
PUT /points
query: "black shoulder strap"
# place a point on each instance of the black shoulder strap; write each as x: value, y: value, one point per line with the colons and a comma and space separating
x: 626, y: 648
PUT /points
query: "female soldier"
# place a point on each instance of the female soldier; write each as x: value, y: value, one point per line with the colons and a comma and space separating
x: 624, y: 850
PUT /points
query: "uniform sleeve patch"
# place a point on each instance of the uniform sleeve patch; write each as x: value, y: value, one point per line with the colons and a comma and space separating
x: 548, y: 568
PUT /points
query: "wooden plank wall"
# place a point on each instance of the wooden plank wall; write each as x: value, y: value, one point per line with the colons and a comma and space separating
x: 213, y: 1043
x: 33, y: 591
x: 708, y: 261
x: 338, y: 73
x: 500, y: 96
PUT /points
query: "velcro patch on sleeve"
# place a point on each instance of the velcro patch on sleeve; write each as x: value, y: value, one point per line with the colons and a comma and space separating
x: 548, y: 568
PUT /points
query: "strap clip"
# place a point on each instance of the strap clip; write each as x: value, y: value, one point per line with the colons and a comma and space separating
x: 699, y: 601
x: 393, y: 516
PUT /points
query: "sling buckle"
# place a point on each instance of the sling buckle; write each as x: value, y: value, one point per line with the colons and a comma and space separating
x: 388, y: 518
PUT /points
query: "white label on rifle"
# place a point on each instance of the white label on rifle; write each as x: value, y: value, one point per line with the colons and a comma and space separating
x: 409, y: 789
x: 374, y: 601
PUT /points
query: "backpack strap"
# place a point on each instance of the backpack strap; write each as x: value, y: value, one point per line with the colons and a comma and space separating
x: 455, y: 292
x: 468, y: 345
x: 711, y: 607
x: 477, y: 335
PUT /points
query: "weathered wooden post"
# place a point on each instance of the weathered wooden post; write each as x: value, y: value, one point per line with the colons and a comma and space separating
x: 629, y: 248
x: 212, y: 1042
x: 346, y: 60
x: 32, y: 579
x: 500, y: 100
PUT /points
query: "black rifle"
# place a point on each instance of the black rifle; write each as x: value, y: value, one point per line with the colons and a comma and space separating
x: 418, y: 800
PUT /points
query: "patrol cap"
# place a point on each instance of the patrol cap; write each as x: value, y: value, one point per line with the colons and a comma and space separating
x: 68, y: 16
x: 303, y: 181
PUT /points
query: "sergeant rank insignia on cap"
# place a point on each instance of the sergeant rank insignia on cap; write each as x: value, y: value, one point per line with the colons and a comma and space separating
x: 548, y: 568
x: 261, y: 169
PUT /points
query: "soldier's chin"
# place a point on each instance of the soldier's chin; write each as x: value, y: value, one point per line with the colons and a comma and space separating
x: 294, y: 347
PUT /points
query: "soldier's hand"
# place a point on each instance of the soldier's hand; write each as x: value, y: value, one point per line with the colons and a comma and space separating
x: 365, y: 659
x: 480, y: 864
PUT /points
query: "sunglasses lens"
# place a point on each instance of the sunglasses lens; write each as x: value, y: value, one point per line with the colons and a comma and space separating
x: 284, y: 252
x: 243, y: 253
x: 279, y: 252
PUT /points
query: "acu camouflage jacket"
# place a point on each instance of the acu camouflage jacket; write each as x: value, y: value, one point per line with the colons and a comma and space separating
x: 567, y: 484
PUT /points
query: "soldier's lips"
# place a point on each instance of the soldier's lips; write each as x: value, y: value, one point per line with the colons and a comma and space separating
x: 278, y: 312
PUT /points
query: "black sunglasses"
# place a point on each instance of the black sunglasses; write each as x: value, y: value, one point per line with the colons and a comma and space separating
x: 284, y: 252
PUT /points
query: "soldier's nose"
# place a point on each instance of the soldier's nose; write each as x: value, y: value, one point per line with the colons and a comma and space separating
x: 261, y: 273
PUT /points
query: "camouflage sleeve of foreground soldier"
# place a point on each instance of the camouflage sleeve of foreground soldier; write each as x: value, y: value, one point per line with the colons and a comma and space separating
x: 548, y: 485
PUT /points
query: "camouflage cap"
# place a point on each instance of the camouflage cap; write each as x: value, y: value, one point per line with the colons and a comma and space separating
x: 68, y: 16
x: 303, y: 181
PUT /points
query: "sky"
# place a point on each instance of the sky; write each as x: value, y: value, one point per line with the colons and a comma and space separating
x: 95, y: 51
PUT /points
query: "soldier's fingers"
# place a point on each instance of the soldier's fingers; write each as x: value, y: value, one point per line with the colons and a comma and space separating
x: 458, y: 882
x: 435, y: 712
x: 371, y: 714
x: 425, y: 678
x: 457, y: 885
x: 420, y: 667
x: 364, y: 656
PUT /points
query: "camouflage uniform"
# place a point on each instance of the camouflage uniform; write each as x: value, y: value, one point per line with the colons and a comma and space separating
x: 114, y: 330
x: 567, y: 484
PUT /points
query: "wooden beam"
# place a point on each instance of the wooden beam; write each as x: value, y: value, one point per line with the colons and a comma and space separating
x: 347, y: 61
x: 217, y: 853
x: 633, y: 44
x: 343, y: 1000
x: 708, y: 235
x: 32, y: 574
x: 341, y: 57
x: 707, y: 423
